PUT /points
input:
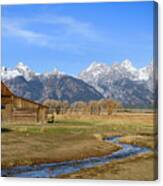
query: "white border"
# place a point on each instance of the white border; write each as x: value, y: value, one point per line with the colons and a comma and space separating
x: 59, y: 182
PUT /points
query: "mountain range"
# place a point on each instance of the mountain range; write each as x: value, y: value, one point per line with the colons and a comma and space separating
x: 120, y: 81
x: 55, y: 85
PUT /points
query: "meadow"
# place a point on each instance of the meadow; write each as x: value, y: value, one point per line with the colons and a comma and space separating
x: 73, y: 137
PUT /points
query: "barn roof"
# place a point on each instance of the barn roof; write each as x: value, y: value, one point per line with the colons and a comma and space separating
x: 5, y: 92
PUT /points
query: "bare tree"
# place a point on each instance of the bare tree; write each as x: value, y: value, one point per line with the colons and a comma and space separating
x: 102, y: 106
x: 94, y: 107
x: 54, y: 105
x: 79, y: 106
x: 64, y: 106
x: 112, y: 105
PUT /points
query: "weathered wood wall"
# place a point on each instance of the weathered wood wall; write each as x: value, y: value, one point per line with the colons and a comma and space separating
x: 17, y: 109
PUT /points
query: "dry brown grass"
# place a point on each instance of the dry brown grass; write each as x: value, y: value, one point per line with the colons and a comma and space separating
x: 148, y: 141
x: 30, y: 145
x: 77, y: 137
x: 140, y: 167
x: 116, y: 117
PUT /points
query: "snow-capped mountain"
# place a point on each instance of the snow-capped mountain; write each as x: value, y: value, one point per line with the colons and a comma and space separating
x: 146, y: 73
x: 7, y: 74
x: 19, y: 70
x: 50, y: 85
x: 24, y: 71
x: 121, y: 81
x: 125, y: 69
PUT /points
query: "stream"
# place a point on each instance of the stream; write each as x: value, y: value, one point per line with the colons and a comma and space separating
x: 46, y: 170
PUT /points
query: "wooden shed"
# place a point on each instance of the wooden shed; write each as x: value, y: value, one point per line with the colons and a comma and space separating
x: 18, y: 109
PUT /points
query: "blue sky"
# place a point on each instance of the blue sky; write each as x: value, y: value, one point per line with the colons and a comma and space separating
x: 70, y: 36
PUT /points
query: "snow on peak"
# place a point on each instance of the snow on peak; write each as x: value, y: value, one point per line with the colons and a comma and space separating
x: 94, y: 70
x: 124, y: 69
x: 93, y: 65
x: 56, y: 72
x: 25, y: 71
x: 20, y: 64
x: 146, y: 72
x: 127, y: 64
x: 22, y: 67
x: 3, y: 69
x: 105, y: 78
x: 9, y: 73
x: 19, y: 70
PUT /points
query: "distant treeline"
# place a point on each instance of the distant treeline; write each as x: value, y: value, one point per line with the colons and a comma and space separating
x: 136, y: 110
x: 99, y: 107
x: 138, y: 106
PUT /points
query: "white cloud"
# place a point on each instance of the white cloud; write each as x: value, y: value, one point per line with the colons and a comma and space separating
x: 73, y: 25
x: 27, y: 35
x: 67, y: 32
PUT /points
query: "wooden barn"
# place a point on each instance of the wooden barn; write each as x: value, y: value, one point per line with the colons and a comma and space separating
x: 17, y: 109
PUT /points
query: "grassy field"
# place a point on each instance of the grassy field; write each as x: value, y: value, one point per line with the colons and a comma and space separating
x: 139, y: 167
x: 77, y: 137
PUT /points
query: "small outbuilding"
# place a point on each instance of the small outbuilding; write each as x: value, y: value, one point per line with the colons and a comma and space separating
x: 17, y: 109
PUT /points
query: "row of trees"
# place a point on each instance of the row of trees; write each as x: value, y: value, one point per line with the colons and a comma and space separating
x: 93, y: 107
x: 57, y: 106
